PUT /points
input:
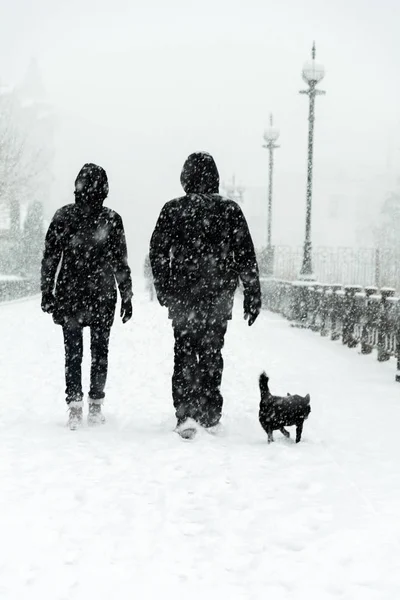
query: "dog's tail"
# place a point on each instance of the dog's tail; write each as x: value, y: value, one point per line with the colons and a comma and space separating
x: 263, y: 382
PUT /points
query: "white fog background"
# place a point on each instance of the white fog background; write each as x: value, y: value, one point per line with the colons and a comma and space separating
x: 137, y: 86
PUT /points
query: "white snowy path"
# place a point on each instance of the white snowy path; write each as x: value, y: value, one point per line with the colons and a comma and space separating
x: 129, y: 510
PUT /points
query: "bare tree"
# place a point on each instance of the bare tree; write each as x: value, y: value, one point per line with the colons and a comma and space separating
x: 24, y: 156
x: 25, y: 174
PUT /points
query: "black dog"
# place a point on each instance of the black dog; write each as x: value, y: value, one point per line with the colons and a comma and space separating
x: 278, y: 412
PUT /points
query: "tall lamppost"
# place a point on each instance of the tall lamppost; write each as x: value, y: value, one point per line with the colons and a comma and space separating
x: 271, y: 134
x: 313, y: 73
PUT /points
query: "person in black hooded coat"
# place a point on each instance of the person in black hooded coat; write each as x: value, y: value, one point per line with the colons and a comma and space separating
x: 85, y: 254
x: 200, y: 248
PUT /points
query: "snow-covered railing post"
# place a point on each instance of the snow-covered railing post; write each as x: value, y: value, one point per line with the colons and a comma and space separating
x: 317, y: 317
x: 350, y: 315
x: 384, y: 324
x: 392, y: 315
x: 336, y: 321
x: 274, y: 296
x: 324, y: 309
x: 398, y: 342
x: 327, y: 327
x: 277, y: 296
x: 292, y: 305
x: 374, y: 310
x: 366, y: 346
x: 296, y: 302
x: 286, y: 300
x: 314, y: 294
x: 308, y: 299
x: 360, y: 310
x: 302, y: 302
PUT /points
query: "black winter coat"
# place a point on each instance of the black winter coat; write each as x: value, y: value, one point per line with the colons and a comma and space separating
x: 201, y: 247
x: 88, y: 250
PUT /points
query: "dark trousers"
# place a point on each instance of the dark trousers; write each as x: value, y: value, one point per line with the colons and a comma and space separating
x: 198, y: 370
x: 73, y: 345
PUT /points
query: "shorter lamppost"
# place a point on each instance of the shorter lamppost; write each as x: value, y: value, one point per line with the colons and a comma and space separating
x: 271, y: 134
x: 234, y: 191
x: 313, y: 73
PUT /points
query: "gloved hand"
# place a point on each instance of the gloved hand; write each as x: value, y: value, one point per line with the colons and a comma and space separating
x: 162, y: 299
x: 48, y: 302
x: 126, y: 310
x: 252, y: 308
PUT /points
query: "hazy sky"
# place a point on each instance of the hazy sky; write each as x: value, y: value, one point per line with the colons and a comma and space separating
x: 139, y: 85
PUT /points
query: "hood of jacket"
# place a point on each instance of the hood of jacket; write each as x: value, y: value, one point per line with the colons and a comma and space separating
x: 200, y: 174
x: 91, y: 187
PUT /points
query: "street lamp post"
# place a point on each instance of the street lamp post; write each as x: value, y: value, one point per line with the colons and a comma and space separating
x: 234, y: 191
x: 313, y: 73
x: 271, y: 134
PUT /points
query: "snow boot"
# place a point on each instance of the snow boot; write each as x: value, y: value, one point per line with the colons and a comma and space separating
x: 95, y: 416
x: 187, y: 428
x: 215, y: 429
x: 75, y: 415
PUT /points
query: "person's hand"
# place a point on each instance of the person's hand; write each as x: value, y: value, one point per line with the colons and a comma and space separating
x: 126, y: 310
x: 164, y: 296
x: 250, y: 317
x: 252, y: 308
x: 162, y: 299
x: 48, y: 302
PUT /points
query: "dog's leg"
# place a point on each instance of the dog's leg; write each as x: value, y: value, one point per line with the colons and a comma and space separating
x: 299, y: 430
x: 285, y: 432
x: 270, y: 435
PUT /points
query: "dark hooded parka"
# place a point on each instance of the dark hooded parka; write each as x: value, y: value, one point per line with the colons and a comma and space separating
x: 201, y: 247
x: 85, y: 255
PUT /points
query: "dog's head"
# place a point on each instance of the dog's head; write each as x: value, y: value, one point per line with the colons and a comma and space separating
x: 302, y: 404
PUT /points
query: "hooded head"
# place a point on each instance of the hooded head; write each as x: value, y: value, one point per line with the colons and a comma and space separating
x: 91, y: 187
x: 200, y: 174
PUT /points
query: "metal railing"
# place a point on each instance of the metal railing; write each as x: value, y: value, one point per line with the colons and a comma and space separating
x: 14, y: 287
x: 358, y: 316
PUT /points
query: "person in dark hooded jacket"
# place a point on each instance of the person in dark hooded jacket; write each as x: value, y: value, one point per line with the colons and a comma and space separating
x: 199, y: 251
x: 85, y: 255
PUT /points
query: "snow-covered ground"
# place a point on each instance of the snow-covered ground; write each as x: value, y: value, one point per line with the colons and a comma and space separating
x: 129, y: 510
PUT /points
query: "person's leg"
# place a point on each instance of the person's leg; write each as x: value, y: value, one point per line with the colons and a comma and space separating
x: 185, y: 375
x: 73, y: 345
x: 99, y: 340
x: 211, y: 365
